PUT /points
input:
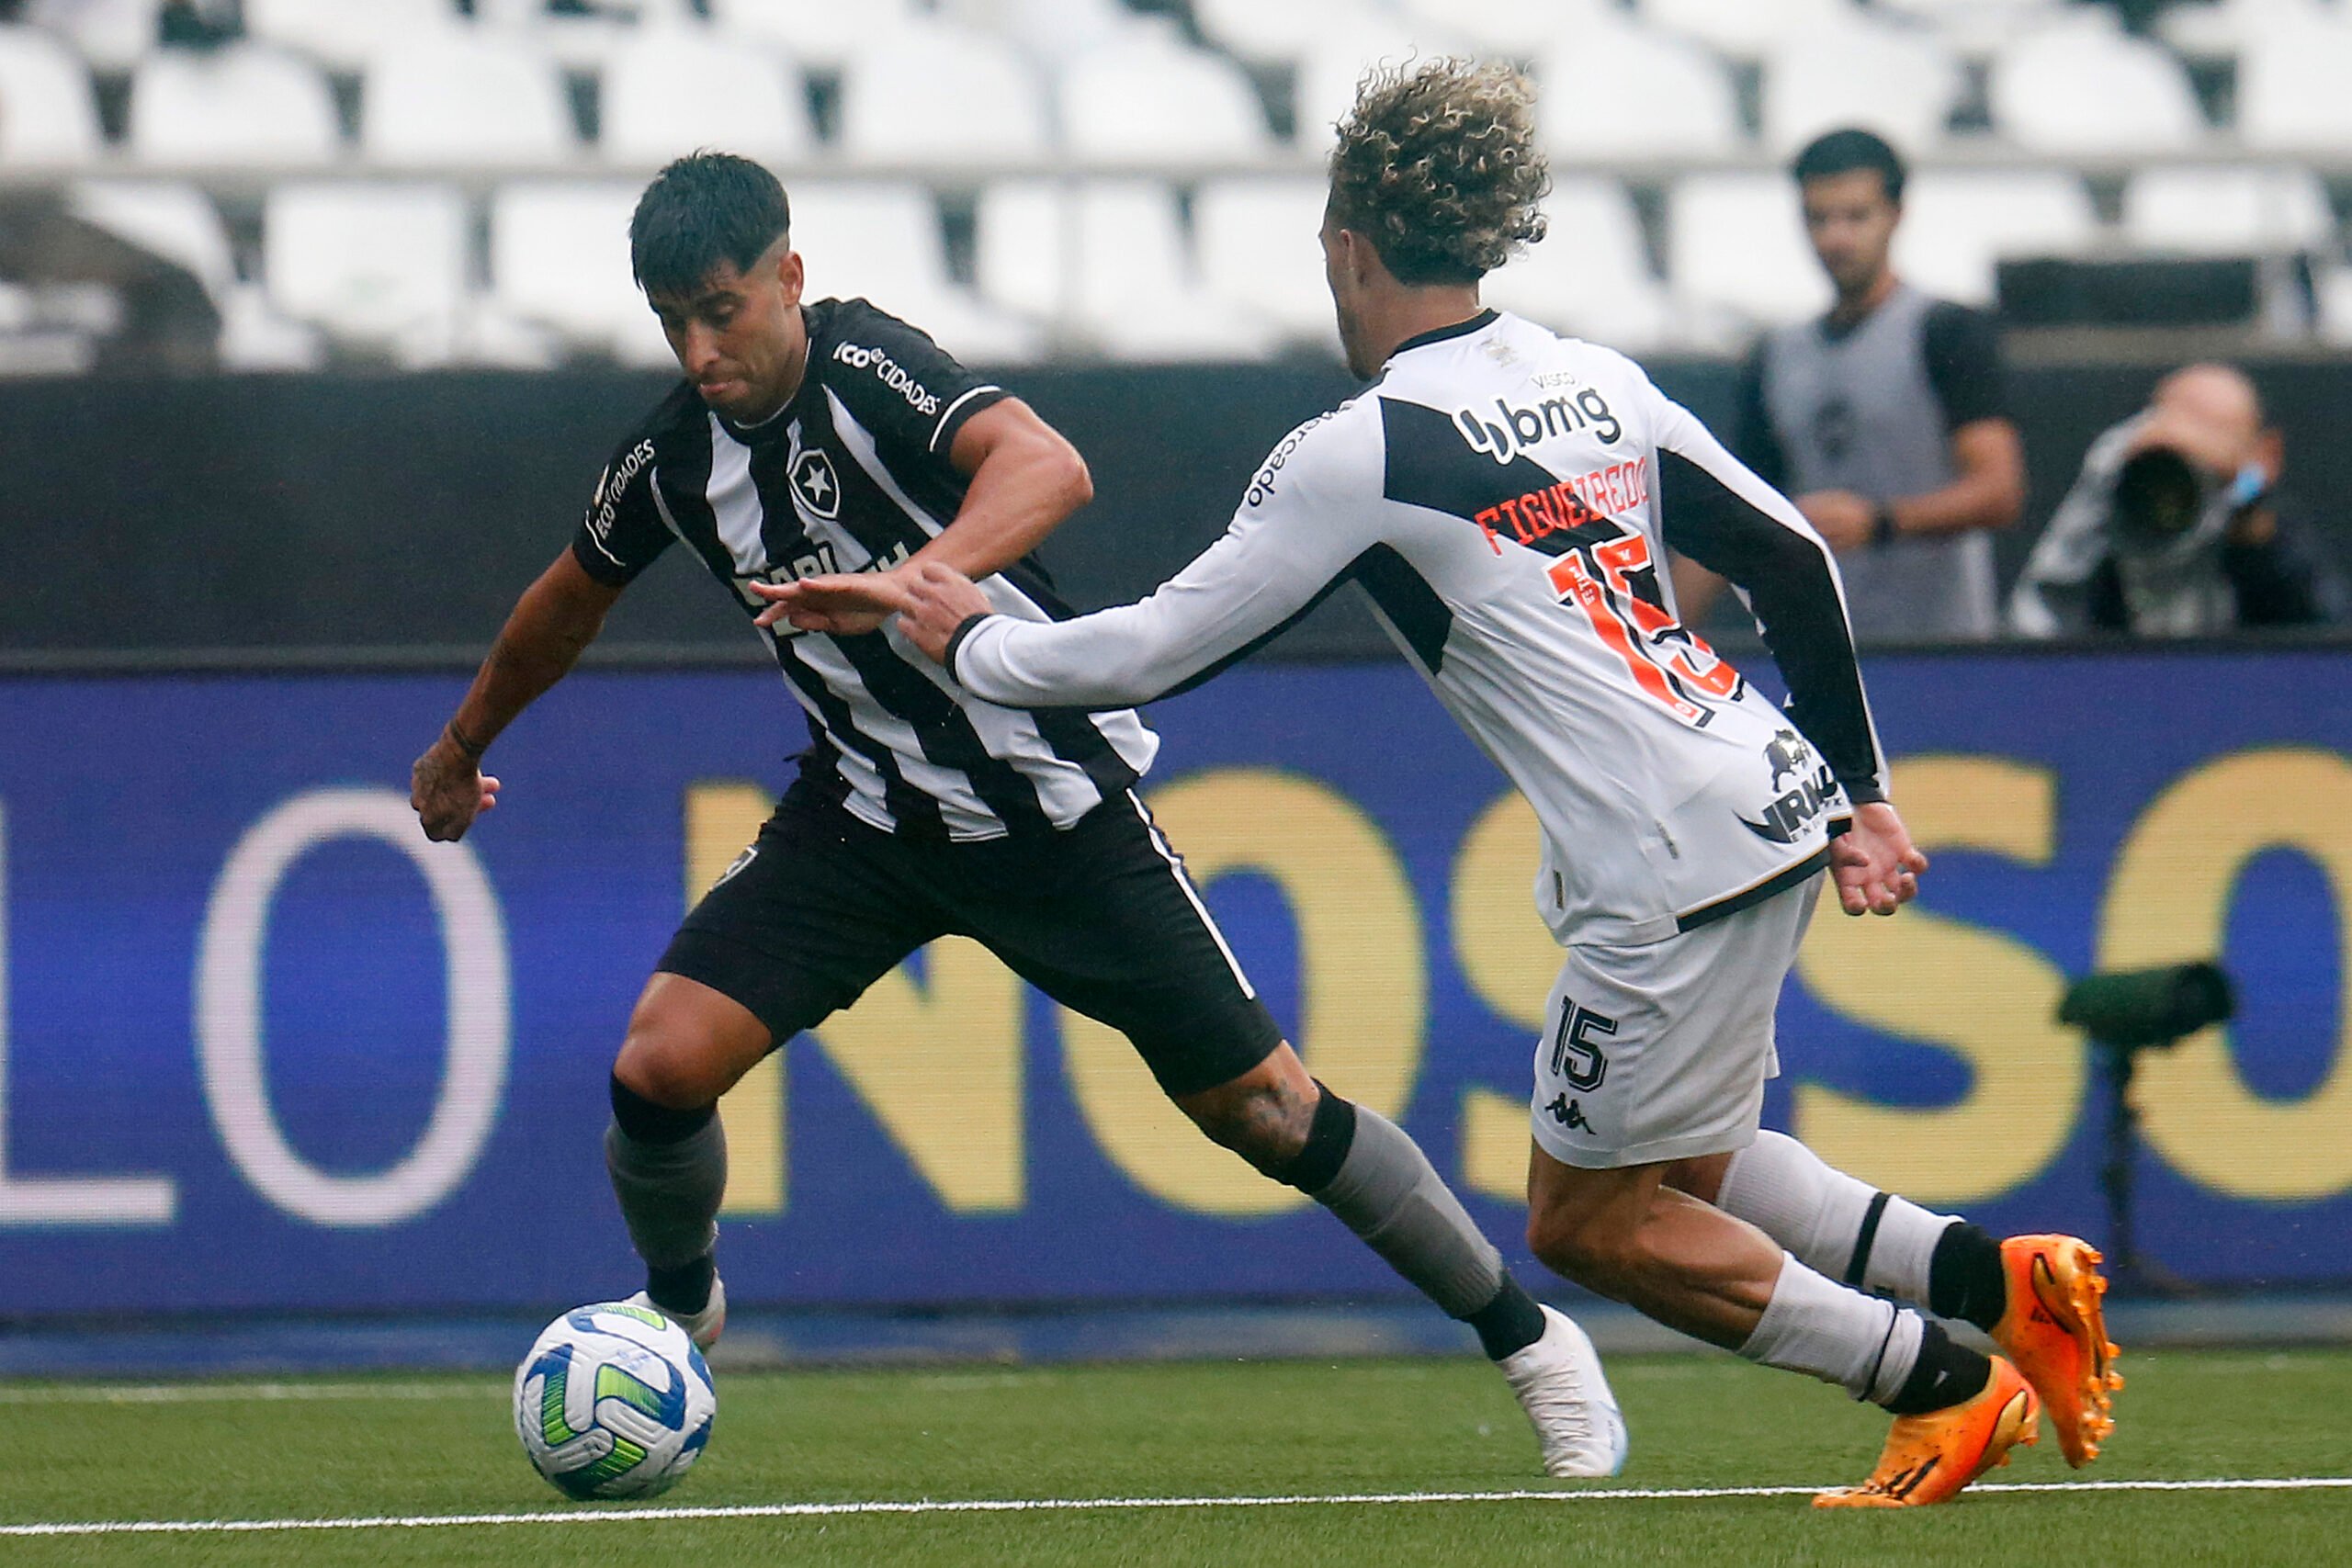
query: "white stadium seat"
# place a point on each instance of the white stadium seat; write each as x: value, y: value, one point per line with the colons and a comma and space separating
x: 1590, y: 275
x: 882, y: 242
x: 1256, y: 238
x: 1958, y: 223
x: 1623, y: 93
x: 1152, y: 97
x: 346, y: 35
x: 173, y: 220
x: 2085, y: 89
x: 2225, y: 211
x: 455, y: 98
x: 245, y: 104
x: 1324, y: 81
x: 820, y: 33
x: 2224, y: 29
x: 1521, y: 28
x: 1051, y: 32
x: 1902, y: 84
x: 1108, y: 258
x: 1744, y: 28
x: 558, y: 255
x: 48, y: 112
x: 379, y: 264
x: 1284, y: 34
x: 1978, y: 28
x: 112, y: 35
x: 1736, y: 248
x: 935, y: 93
x: 2294, y: 93
x: 676, y: 89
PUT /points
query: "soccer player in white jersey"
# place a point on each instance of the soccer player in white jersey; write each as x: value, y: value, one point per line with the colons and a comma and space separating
x: 812, y: 437
x: 1506, y: 497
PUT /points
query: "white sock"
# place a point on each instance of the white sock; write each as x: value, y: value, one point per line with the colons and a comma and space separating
x: 1814, y: 1325
x: 1783, y: 1189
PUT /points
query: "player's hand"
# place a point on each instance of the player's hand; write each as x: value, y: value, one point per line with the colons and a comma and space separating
x: 1842, y: 518
x: 1874, y: 863
x: 449, y: 791
x: 840, y: 604
x: 939, y: 598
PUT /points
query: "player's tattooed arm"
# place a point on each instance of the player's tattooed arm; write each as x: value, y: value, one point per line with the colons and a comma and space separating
x: 558, y: 616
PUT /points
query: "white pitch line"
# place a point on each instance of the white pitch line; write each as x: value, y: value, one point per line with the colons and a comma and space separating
x: 1091, y: 1505
x: 206, y: 1393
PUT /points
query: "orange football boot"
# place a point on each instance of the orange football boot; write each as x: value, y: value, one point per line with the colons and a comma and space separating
x: 2055, y: 1328
x: 1930, y: 1458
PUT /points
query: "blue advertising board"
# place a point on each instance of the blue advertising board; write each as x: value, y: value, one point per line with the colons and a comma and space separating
x: 263, y: 1048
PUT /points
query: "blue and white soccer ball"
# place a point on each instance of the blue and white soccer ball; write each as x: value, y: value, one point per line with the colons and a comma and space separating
x: 614, y: 1401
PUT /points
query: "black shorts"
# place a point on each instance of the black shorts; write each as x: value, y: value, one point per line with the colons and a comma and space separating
x: 1100, y: 917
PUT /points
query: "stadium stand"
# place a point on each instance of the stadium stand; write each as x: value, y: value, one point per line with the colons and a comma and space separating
x: 559, y: 256
x: 2036, y: 127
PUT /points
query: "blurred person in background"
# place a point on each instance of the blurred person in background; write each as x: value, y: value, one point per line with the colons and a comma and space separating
x: 1885, y: 419
x: 2175, y: 526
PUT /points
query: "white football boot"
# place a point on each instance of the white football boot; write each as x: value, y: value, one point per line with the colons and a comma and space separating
x: 1560, y: 1385
x: 703, y: 1327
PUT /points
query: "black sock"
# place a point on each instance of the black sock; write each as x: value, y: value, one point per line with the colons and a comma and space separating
x: 686, y: 1288
x: 1965, y: 1278
x: 1328, y: 1138
x: 1944, y: 1375
x: 1510, y: 1323
x: 647, y: 1123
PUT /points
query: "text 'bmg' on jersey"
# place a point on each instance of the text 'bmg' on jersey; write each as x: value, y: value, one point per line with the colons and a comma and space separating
x: 854, y: 475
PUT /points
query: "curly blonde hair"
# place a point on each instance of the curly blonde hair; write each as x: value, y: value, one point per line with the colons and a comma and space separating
x: 1437, y: 165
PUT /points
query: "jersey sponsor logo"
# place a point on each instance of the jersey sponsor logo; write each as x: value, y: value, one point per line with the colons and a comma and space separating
x: 1513, y: 429
x: 891, y: 373
x: 605, y: 505
x: 815, y: 484
x: 1813, y: 786
x: 821, y: 559
x: 1261, y: 484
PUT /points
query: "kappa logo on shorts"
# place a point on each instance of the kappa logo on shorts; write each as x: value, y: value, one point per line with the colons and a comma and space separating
x: 814, y: 481
x: 1569, y: 1113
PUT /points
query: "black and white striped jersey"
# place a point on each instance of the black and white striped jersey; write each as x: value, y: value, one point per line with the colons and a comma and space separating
x: 854, y: 475
x: 1505, y: 497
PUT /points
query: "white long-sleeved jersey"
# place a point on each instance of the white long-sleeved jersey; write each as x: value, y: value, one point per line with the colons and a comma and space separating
x: 1504, y: 496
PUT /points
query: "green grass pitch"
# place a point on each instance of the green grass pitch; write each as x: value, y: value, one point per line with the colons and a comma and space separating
x: 345, y: 1447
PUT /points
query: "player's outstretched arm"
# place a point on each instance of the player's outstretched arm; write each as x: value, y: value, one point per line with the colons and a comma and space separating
x: 556, y: 616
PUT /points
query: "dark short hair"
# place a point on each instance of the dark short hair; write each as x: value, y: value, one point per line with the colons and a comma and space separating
x: 703, y: 209
x: 1438, y: 167
x: 1843, y: 152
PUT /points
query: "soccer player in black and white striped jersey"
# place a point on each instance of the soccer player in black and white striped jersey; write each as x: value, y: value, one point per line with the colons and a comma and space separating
x: 825, y: 438
x: 1504, y: 496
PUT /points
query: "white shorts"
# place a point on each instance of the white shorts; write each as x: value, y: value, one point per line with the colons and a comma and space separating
x: 1660, y: 1052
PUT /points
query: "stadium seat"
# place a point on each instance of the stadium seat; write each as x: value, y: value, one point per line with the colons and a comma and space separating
x: 1256, y: 238
x: 2222, y: 29
x: 822, y: 34
x: 1152, y: 97
x: 49, y: 114
x: 1958, y: 223
x: 454, y: 98
x: 2219, y: 210
x: 1051, y: 32
x: 1106, y: 260
x: 344, y: 35
x: 1281, y: 35
x: 245, y: 104
x: 1521, y: 28
x: 678, y: 88
x: 112, y: 35
x: 2292, y: 94
x: 1900, y: 84
x: 559, y: 256
x: 590, y: 40
x: 882, y: 242
x: 936, y: 94
x: 178, y: 221
x: 380, y: 265
x: 1980, y: 28
x: 1328, y: 68
x: 1736, y: 256
x: 1744, y: 28
x: 2085, y: 89
x: 1625, y: 94
x: 1590, y: 275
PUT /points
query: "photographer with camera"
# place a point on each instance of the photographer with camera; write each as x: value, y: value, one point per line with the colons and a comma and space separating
x: 2174, y: 527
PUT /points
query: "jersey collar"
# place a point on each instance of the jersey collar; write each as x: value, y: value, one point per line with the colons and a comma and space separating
x: 1477, y: 323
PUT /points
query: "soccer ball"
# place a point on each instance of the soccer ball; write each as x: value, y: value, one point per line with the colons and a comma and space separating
x: 614, y: 1401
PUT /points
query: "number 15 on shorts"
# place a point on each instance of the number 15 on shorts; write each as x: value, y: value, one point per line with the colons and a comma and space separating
x: 1577, y: 1054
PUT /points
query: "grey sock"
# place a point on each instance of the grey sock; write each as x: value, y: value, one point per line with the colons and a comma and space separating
x: 670, y: 1192
x: 1389, y: 1193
